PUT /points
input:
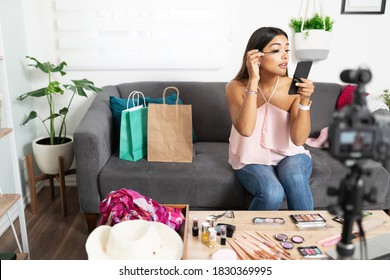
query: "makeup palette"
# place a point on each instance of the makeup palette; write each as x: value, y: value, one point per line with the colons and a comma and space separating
x: 308, y: 220
x: 309, y: 251
x: 268, y: 221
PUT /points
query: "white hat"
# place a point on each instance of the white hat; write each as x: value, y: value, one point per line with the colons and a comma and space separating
x: 134, y: 240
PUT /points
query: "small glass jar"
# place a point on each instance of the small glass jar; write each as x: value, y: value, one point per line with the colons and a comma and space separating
x: 212, y: 237
x: 205, y: 232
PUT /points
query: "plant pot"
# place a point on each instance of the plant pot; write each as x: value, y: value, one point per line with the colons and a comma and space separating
x: 312, y: 44
x: 47, y: 155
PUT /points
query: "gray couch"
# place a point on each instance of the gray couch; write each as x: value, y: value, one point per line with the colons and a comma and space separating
x: 208, y: 182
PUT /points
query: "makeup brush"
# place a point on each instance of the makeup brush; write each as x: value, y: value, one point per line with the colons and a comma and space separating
x: 250, y: 252
x: 264, y: 249
x: 271, y: 245
x: 273, y: 241
x: 257, y: 248
x: 238, y: 250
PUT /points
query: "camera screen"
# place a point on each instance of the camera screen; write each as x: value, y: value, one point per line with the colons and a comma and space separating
x: 356, y: 141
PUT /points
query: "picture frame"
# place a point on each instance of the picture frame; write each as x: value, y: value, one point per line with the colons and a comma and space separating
x: 363, y: 6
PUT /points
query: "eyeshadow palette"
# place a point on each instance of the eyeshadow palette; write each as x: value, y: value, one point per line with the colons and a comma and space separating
x: 309, y: 251
x: 308, y: 220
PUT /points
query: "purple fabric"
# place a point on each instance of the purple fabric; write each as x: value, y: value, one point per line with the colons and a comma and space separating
x: 124, y: 204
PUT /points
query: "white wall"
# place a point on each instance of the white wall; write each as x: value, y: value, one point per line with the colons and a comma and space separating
x: 15, y: 47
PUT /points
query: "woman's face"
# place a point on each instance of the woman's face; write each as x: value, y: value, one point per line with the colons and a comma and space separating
x: 276, y: 56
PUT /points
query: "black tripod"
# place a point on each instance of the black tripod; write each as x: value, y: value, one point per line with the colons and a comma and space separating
x: 350, y: 198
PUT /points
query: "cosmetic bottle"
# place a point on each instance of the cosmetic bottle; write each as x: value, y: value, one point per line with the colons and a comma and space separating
x: 212, y: 237
x: 195, y: 227
x: 210, y: 220
x: 205, y: 232
x: 223, y: 235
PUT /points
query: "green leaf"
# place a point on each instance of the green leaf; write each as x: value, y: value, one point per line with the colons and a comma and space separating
x: 52, y: 117
x: 47, y: 67
x: 30, y: 117
x: 80, y: 86
x: 54, y: 87
x: 64, y: 111
x: 36, y: 93
x: 59, y: 68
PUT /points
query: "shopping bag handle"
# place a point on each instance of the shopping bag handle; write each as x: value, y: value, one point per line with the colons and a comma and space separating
x: 132, y: 95
x: 177, y: 91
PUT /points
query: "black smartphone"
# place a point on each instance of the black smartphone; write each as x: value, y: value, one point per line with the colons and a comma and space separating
x: 301, y: 71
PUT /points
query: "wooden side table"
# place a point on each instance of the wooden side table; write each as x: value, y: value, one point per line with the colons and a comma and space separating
x: 33, y: 179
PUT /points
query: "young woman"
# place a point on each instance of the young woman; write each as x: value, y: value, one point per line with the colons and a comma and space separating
x: 270, y: 126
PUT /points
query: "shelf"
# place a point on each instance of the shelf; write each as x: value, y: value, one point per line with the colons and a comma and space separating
x: 5, y: 131
x: 6, y: 202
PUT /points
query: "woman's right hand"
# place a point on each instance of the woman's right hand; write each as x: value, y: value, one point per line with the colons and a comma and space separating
x: 253, y: 60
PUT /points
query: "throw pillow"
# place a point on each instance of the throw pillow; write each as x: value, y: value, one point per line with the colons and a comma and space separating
x: 117, y: 105
x: 346, y: 96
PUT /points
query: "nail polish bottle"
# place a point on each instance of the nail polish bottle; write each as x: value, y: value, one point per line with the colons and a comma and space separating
x: 223, y: 235
x: 212, y: 237
x: 195, y: 227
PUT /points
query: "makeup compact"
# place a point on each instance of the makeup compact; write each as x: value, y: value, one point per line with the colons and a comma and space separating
x: 268, y: 221
x: 309, y: 251
x: 308, y: 220
x: 283, y: 238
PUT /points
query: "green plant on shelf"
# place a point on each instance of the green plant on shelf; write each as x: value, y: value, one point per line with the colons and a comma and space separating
x: 315, y: 22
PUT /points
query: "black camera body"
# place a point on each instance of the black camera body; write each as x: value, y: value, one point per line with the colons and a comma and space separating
x: 356, y: 133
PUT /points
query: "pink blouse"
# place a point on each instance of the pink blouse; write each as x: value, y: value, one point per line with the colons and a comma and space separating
x: 269, y: 143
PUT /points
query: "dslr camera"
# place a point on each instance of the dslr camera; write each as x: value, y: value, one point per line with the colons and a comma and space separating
x: 356, y: 133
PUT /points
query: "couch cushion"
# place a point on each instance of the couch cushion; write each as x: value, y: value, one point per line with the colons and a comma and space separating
x: 329, y: 172
x: 207, y: 182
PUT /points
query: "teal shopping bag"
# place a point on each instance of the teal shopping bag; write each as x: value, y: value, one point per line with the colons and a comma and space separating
x: 133, y: 131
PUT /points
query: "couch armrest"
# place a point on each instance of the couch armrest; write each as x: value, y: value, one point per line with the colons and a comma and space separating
x: 93, y: 147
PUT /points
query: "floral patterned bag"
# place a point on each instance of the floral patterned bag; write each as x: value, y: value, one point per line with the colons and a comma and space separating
x: 125, y: 204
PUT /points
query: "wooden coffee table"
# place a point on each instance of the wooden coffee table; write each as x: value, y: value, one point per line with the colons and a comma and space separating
x: 375, y: 224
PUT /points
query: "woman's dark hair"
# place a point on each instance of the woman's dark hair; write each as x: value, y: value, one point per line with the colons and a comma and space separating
x: 259, y: 39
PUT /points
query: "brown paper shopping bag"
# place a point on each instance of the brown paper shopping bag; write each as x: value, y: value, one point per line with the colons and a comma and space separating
x: 170, y: 131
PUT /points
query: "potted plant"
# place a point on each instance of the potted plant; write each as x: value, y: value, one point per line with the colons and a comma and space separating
x: 312, y: 37
x: 47, y: 149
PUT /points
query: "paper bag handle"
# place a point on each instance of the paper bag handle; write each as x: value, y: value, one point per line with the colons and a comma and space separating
x: 132, y: 95
x: 177, y: 91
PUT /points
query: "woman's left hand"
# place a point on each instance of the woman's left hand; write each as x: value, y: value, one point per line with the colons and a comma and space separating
x: 305, y: 89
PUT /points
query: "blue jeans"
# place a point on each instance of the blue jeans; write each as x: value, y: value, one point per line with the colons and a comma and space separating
x: 268, y: 184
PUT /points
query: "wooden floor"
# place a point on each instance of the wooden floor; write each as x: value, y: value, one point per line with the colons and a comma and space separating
x: 52, y: 236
